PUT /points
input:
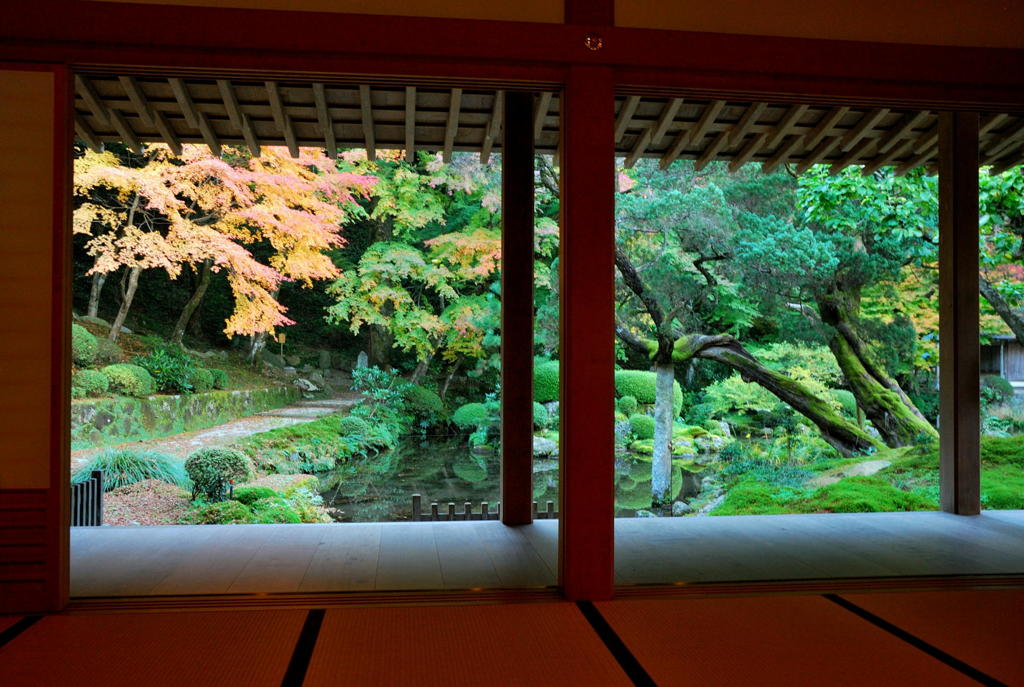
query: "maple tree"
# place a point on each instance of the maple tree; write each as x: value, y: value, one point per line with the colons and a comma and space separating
x: 162, y: 211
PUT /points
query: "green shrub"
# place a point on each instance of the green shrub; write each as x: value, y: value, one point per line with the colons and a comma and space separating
x: 545, y: 382
x: 700, y: 414
x: 123, y: 466
x: 751, y: 498
x: 130, y: 380
x: 202, y: 380
x: 274, y: 510
x: 350, y: 425
x: 223, y: 513
x: 249, y: 495
x: 640, y: 384
x: 847, y: 401
x: 627, y: 405
x: 425, y: 403
x: 308, y: 505
x: 642, y: 426
x: 91, y: 382
x: 471, y: 415
x: 540, y: 416
x: 995, y: 390
x: 173, y: 370
x: 83, y: 345
x: 928, y: 403
x: 212, y: 469
x: 220, y: 378
x: 107, y: 352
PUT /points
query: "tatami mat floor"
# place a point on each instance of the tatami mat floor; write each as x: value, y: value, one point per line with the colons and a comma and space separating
x: 907, y: 638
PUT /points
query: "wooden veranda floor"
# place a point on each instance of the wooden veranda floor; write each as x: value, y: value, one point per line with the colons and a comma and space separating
x: 218, y: 559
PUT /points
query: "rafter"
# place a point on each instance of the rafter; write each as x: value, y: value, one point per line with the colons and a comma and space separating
x: 746, y: 123
x: 824, y: 126
x: 887, y: 159
x: 694, y: 134
x: 818, y: 154
x: 867, y: 122
x: 208, y: 134
x: 451, y: 129
x: 916, y: 161
x: 712, y: 150
x: 493, y: 126
x: 127, y: 135
x: 281, y: 118
x: 906, y: 125
x: 227, y: 96
x: 88, y: 92
x: 87, y: 135
x: 167, y: 131
x: 410, y: 123
x: 851, y: 157
x: 786, y: 125
x: 625, y: 116
x: 653, y: 134
x: 323, y: 115
x: 184, y: 98
x: 748, y: 151
x: 782, y: 154
x: 366, y: 107
x: 134, y: 91
x: 541, y: 113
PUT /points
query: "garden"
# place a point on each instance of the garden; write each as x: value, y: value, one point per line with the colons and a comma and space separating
x: 777, y: 337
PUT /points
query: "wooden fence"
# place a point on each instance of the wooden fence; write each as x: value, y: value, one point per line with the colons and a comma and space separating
x: 87, y: 501
x: 450, y: 512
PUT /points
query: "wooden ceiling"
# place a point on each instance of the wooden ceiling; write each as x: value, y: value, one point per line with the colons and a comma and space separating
x: 141, y: 109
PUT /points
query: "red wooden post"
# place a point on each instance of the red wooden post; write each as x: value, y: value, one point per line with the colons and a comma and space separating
x: 959, y: 365
x: 517, y: 309
x: 587, y: 291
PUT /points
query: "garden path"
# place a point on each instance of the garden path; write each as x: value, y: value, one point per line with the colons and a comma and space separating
x: 180, y: 445
x: 862, y: 469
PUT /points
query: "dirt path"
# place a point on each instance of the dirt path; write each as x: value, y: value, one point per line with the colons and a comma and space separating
x: 864, y: 468
x: 180, y: 445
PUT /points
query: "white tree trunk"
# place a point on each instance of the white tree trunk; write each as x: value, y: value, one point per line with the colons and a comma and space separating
x: 661, y: 465
x: 98, y: 280
x: 126, y: 302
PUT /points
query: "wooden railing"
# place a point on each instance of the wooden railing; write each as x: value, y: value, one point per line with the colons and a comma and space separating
x: 450, y: 512
x: 87, y: 501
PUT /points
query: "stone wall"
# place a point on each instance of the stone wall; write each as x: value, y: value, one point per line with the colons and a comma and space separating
x: 108, y: 421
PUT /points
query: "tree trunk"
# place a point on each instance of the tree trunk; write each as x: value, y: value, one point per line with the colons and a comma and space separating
x: 1014, y: 319
x: 98, y: 280
x: 378, y: 346
x: 259, y: 340
x: 661, y: 464
x: 126, y: 302
x: 449, y: 378
x: 421, y: 369
x: 193, y: 302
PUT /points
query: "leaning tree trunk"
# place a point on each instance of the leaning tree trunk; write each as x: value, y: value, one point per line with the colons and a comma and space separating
x: 1014, y: 319
x: 661, y: 464
x: 193, y: 302
x: 126, y: 302
x: 98, y: 280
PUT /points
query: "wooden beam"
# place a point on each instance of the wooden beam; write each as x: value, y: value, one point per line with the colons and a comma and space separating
x: 208, y: 134
x: 87, y: 135
x: 867, y: 122
x: 747, y: 121
x: 818, y: 154
x: 451, y: 129
x: 134, y: 92
x: 249, y: 133
x: 167, y: 132
x: 517, y: 310
x: 638, y: 149
x: 227, y: 96
x: 886, y: 159
x: 782, y: 154
x: 748, y: 151
x: 712, y: 150
x: 125, y: 131
x: 959, y: 362
x: 693, y: 135
x: 824, y: 126
x: 281, y: 118
x: 928, y: 140
x: 786, y: 125
x: 1010, y: 160
x: 410, y: 123
x: 184, y: 98
x: 493, y: 126
x: 992, y: 122
x: 625, y: 116
x: 366, y: 107
x: 587, y: 335
x: 93, y: 99
x: 323, y: 115
x: 916, y: 161
x: 541, y: 113
x: 902, y: 130
x: 668, y: 115
x: 860, y: 150
x: 1004, y: 143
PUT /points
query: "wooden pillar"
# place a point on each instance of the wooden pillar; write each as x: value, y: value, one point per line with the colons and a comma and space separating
x: 587, y: 292
x: 959, y: 368
x: 517, y: 309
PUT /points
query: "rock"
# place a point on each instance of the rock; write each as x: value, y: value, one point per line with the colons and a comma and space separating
x: 691, y: 484
x: 317, y: 379
x: 362, y: 360
x: 551, y: 407
x: 681, y: 508
x: 95, y: 320
x: 305, y: 385
x: 293, y: 360
x: 622, y: 431
x: 544, y: 447
x: 710, y: 443
x: 645, y: 514
x: 290, y: 371
x: 325, y: 360
x: 711, y: 505
x: 307, y: 369
x: 272, y: 358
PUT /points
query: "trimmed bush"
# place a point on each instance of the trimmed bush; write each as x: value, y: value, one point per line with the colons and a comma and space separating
x: 425, y: 403
x: 640, y: 384
x: 627, y: 405
x: 249, y: 495
x: 212, y: 469
x: 846, y: 400
x: 642, y: 426
x: 274, y: 510
x: 202, y: 380
x: 223, y: 513
x: 545, y: 382
x: 91, y: 382
x: 350, y: 425
x: 220, y: 378
x: 995, y: 390
x: 107, y: 352
x: 122, y: 467
x: 471, y: 415
x: 83, y: 345
x: 540, y: 416
x: 129, y: 380
x: 173, y: 370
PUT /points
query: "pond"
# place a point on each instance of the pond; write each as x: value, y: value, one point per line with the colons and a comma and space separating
x: 443, y: 469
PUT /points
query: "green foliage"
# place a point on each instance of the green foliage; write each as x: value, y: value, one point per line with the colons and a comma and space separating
x: 91, y: 382
x: 700, y: 414
x: 351, y: 425
x: 274, y: 510
x: 307, y: 504
x: 640, y: 384
x: 471, y: 415
x: 769, y: 472
x: 928, y: 403
x: 1005, y: 420
x: 173, y: 370
x: 212, y: 469
x: 626, y: 405
x: 864, y: 495
x: 1002, y: 488
x: 642, y: 426
x: 384, y: 387
x: 545, y: 382
x: 222, y: 513
x: 220, y: 378
x: 846, y: 400
x: 425, y: 404
x: 752, y: 498
x: 249, y: 495
x: 83, y: 345
x: 129, y: 380
x: 1002, y: 451
x: 202, y: 380
x: 540, y: 416
x: 122, y: 467
x: 995, y: 390
x: 107, y: 352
